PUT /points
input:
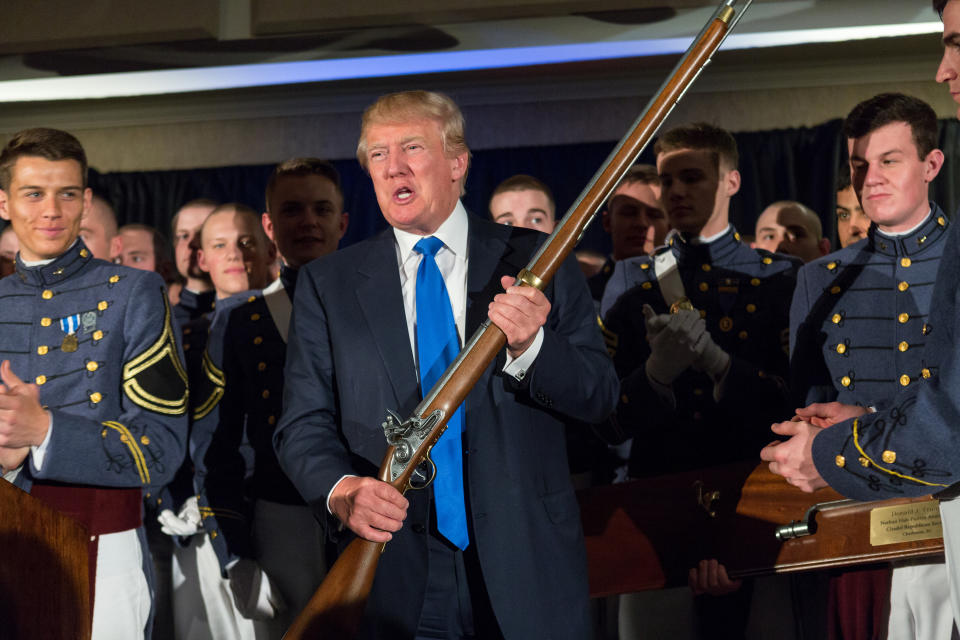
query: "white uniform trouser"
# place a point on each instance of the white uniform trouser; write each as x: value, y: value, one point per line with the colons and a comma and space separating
x: 289, y: 547
x: 121, y: 604
x: 203, y: 606
x: 950, y: 518
x: 920, y: 603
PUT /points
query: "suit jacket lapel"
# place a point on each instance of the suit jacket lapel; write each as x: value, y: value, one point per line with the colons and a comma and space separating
x: 381, y: 299
x: 488, y: 260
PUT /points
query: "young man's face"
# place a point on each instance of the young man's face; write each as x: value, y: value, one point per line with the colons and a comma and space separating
x: 949, y: 70
x: 44, y: 203
x: 416, y: 183
x: 136, y: 250
x: 694, y: 188
x: 527, y: 208
x: 233, y: 253
x: 635, y: 220
x: 787, y: 229
x: 890, y: 177
x: 306, y: 218
x: 186, y: 236
x: 852, y: 222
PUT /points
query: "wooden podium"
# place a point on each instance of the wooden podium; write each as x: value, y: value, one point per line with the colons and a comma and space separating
x: 44, y: 590
x: 648, y: 533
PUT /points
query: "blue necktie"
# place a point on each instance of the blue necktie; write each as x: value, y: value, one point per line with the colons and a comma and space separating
x: 437, y: 347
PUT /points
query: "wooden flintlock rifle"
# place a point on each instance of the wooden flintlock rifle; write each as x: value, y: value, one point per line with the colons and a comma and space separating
x: 336, y: 609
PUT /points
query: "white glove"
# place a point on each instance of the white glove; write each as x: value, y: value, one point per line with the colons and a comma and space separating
x: 253, y: 594
x: 187, y: 523
x: 713, y: 360
x: 674, y: 343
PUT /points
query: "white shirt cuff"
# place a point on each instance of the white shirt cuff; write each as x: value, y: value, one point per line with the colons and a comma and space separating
x: 517, y: 367
x: 39, y: 451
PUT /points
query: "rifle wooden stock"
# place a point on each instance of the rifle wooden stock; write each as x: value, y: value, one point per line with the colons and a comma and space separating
x: 336, y: 610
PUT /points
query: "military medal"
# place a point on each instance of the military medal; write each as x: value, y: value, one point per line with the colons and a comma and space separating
x: 70, y: 324
x: 683, y: 304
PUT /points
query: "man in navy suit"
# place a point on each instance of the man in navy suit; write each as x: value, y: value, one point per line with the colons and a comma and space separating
x: 521, y: 572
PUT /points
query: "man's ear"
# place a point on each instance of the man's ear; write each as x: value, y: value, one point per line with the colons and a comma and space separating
x: 201, y: 261
x: 344, y: 223
x: 267, y: 223
x: 459, y: 166
x: 932, y: 165
x: 3, y: 205
x: 824, y: 246
x: 731, y: 182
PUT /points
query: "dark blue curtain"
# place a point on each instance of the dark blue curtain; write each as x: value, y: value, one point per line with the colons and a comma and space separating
x: 782, y: 164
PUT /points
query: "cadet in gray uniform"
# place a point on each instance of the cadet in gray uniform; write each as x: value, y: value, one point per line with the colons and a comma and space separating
x: 278, y: 532
x: 94, y: 396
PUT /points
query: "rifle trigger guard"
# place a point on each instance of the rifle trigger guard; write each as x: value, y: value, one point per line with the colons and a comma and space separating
x: 416, y: 485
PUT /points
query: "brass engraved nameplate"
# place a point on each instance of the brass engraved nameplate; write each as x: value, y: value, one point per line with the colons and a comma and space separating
x: 905, y: 523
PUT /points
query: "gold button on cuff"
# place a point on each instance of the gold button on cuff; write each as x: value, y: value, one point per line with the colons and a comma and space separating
x: 904, y: 380
x: 845, y: 381
x: 98, y: 335
x: 213, y: 535
x: 255, y: 317
x: 835, y: 290
x: 903, y: 346
x: 751, y: 308
x: 905, y: 262
x: 840, y: 461
x: 889, y: 456
x: 646, y: 285
x: 92, y: 365
x: 41, y: 380
x: 102, y: 305
x: 703, y: 286
x: 706, y: 267
x: 262, y: 366
x: 42, y: 350
x: 903, y: 286
x: 114, y: 279
x: 742, y: 335
x: 103, y: 434
x: 925, y: 372
x: 836, y: 318
x: 144, y: 440
x: 841, y: 348
x: 45, y: 322
x: 768, y: 260
x: 95, y: 397
x: 864, y: 462
x: 903, y: 318
x: 47, y: 294
x: 755, y: 282
x: 257, y: 340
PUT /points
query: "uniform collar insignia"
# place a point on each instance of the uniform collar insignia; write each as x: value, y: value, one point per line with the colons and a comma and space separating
x: 70, y: 262
x: 917, y: 241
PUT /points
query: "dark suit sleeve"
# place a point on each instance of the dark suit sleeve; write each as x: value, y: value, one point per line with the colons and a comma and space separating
x: 809, y: 376
x: 572, y: 374
x: 309, y: 445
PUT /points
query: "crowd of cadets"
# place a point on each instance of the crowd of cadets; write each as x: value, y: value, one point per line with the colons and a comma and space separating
x: 714, y: 337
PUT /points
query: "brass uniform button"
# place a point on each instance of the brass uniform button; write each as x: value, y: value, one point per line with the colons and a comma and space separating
x: 257, y: 340
x: 84, y: 253
x: 768, y: 260
x: 864, y: 462
x: 262, y: 366
x: 265, y: 394
x: 736, y: 236
x: 836, y: 318
x: 903, y: 346
x: 751, y: 308
x: 905, y: 262
x: 625, y: 399
x: 45, y: 322
x: 255, y: 317
x: 841, y: 348
x: 925, y: 372
x: 703, y: 286
x: 706, y: 267
x: 726, y: 323
x: 251, y: 298
x: 102, y: 305
x: 144, y: 440
x: 646, y: 285
x: 845, y: 381
x: 645, y: 266
x: 698, y: 391
x: 703, y: 313
x: 114, y: 279
x: 42, y: 350
x: 47, y: 294
x: 272, y: 420
x: 903, y: 286
x: 41, y: 380
x: 742, y: 335
x: 95, y: 397
x: 186, y: 346
x: 840, y: 461
x: 904, y: 380
x: 98, y: 335
x: 755, y: 282
x: 103, y: 434
x: 889, y: 456
x: 903, y: 318
x: 831, y: 266
x: 92, y: 365
x: 941, y: 221
x: 187, y: 331
x: 213, y: 535
x: 835, y: 290
x: 926, y: 329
